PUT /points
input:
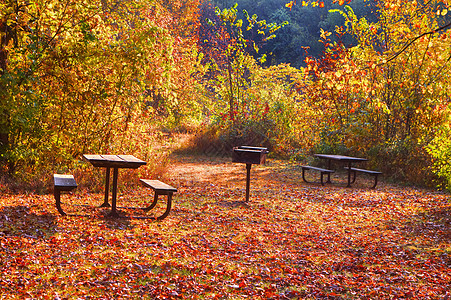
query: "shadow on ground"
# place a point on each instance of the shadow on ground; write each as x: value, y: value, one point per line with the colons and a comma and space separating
x: 19, y: 221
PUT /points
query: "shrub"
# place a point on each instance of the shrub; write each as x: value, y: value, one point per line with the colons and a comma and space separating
x: 440, y: 150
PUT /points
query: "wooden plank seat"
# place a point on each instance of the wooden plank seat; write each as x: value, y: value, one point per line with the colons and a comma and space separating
x: 160, y: 188
x: 321, y: 170
x: 375, y: 174
x: 62, y: 182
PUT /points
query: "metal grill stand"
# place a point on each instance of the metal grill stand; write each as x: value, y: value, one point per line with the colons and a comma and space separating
x: 249, y: 155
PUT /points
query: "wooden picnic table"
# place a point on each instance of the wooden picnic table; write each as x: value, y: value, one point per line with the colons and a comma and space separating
x: 343, y: 158
x: 116, y: 162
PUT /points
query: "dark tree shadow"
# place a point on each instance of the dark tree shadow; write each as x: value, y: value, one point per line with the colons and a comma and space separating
x: 233, y: 204
x: 434, y: 224
x: 19, y: 221
x: 121, y: 223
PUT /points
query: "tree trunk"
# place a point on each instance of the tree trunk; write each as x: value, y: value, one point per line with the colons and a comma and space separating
x: 5, y: 117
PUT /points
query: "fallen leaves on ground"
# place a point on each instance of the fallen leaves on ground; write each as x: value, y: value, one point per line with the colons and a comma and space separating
x: 292, y: 240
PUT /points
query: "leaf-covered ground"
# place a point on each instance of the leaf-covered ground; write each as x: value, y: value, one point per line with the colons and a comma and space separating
x: 292, y: 240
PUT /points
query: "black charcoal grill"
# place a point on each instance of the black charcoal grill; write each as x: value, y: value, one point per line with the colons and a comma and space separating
x: 249, y: 155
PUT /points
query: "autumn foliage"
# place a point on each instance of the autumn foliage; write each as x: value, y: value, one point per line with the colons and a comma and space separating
x: 134, y: 76
x: 106, y: 77
x: 86, y: 76
x: 387, y: 96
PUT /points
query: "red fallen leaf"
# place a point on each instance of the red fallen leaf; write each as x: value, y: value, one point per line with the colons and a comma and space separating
x: 333, y: 294
x: 269, y: 292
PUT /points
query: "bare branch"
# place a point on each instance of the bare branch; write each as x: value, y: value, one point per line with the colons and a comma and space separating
x: 409, y: 43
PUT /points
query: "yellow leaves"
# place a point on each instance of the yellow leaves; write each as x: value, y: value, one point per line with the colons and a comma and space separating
x: 324, y: 34
x: 442, y: 12
x: 306, y: 3
x: 354, y: 81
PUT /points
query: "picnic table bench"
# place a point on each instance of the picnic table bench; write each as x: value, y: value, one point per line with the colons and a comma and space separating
x: 375, y: 174
x: 321, y: 170
x: 160, y: 188
x: 62, y: 183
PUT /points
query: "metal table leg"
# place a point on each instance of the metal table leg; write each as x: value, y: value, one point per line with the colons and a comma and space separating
x: 107, y: 188
x: 328, y: 174
x: 113, y: 212
x: 349, y: 174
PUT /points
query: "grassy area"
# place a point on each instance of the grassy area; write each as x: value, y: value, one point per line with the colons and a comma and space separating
x: 292, y: 240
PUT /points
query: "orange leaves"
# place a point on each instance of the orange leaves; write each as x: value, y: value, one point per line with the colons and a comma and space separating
x: 373, y: 29
x: 290, y: 4
x: 325, y: 34
x: 292, y: 240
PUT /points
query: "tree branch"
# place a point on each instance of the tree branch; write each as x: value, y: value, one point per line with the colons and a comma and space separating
x: 409, y: 43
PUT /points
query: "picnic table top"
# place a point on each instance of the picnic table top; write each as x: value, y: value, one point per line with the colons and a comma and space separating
x: 114, y: 161
x: 340, y: 157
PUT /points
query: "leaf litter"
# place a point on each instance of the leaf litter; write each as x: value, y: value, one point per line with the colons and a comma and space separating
x: 292, y: 240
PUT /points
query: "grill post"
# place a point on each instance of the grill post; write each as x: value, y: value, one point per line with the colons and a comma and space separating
x: 248, y: 180
x: 249, y: 155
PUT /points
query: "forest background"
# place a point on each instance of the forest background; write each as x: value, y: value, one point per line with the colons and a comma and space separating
x: 367, y: 78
